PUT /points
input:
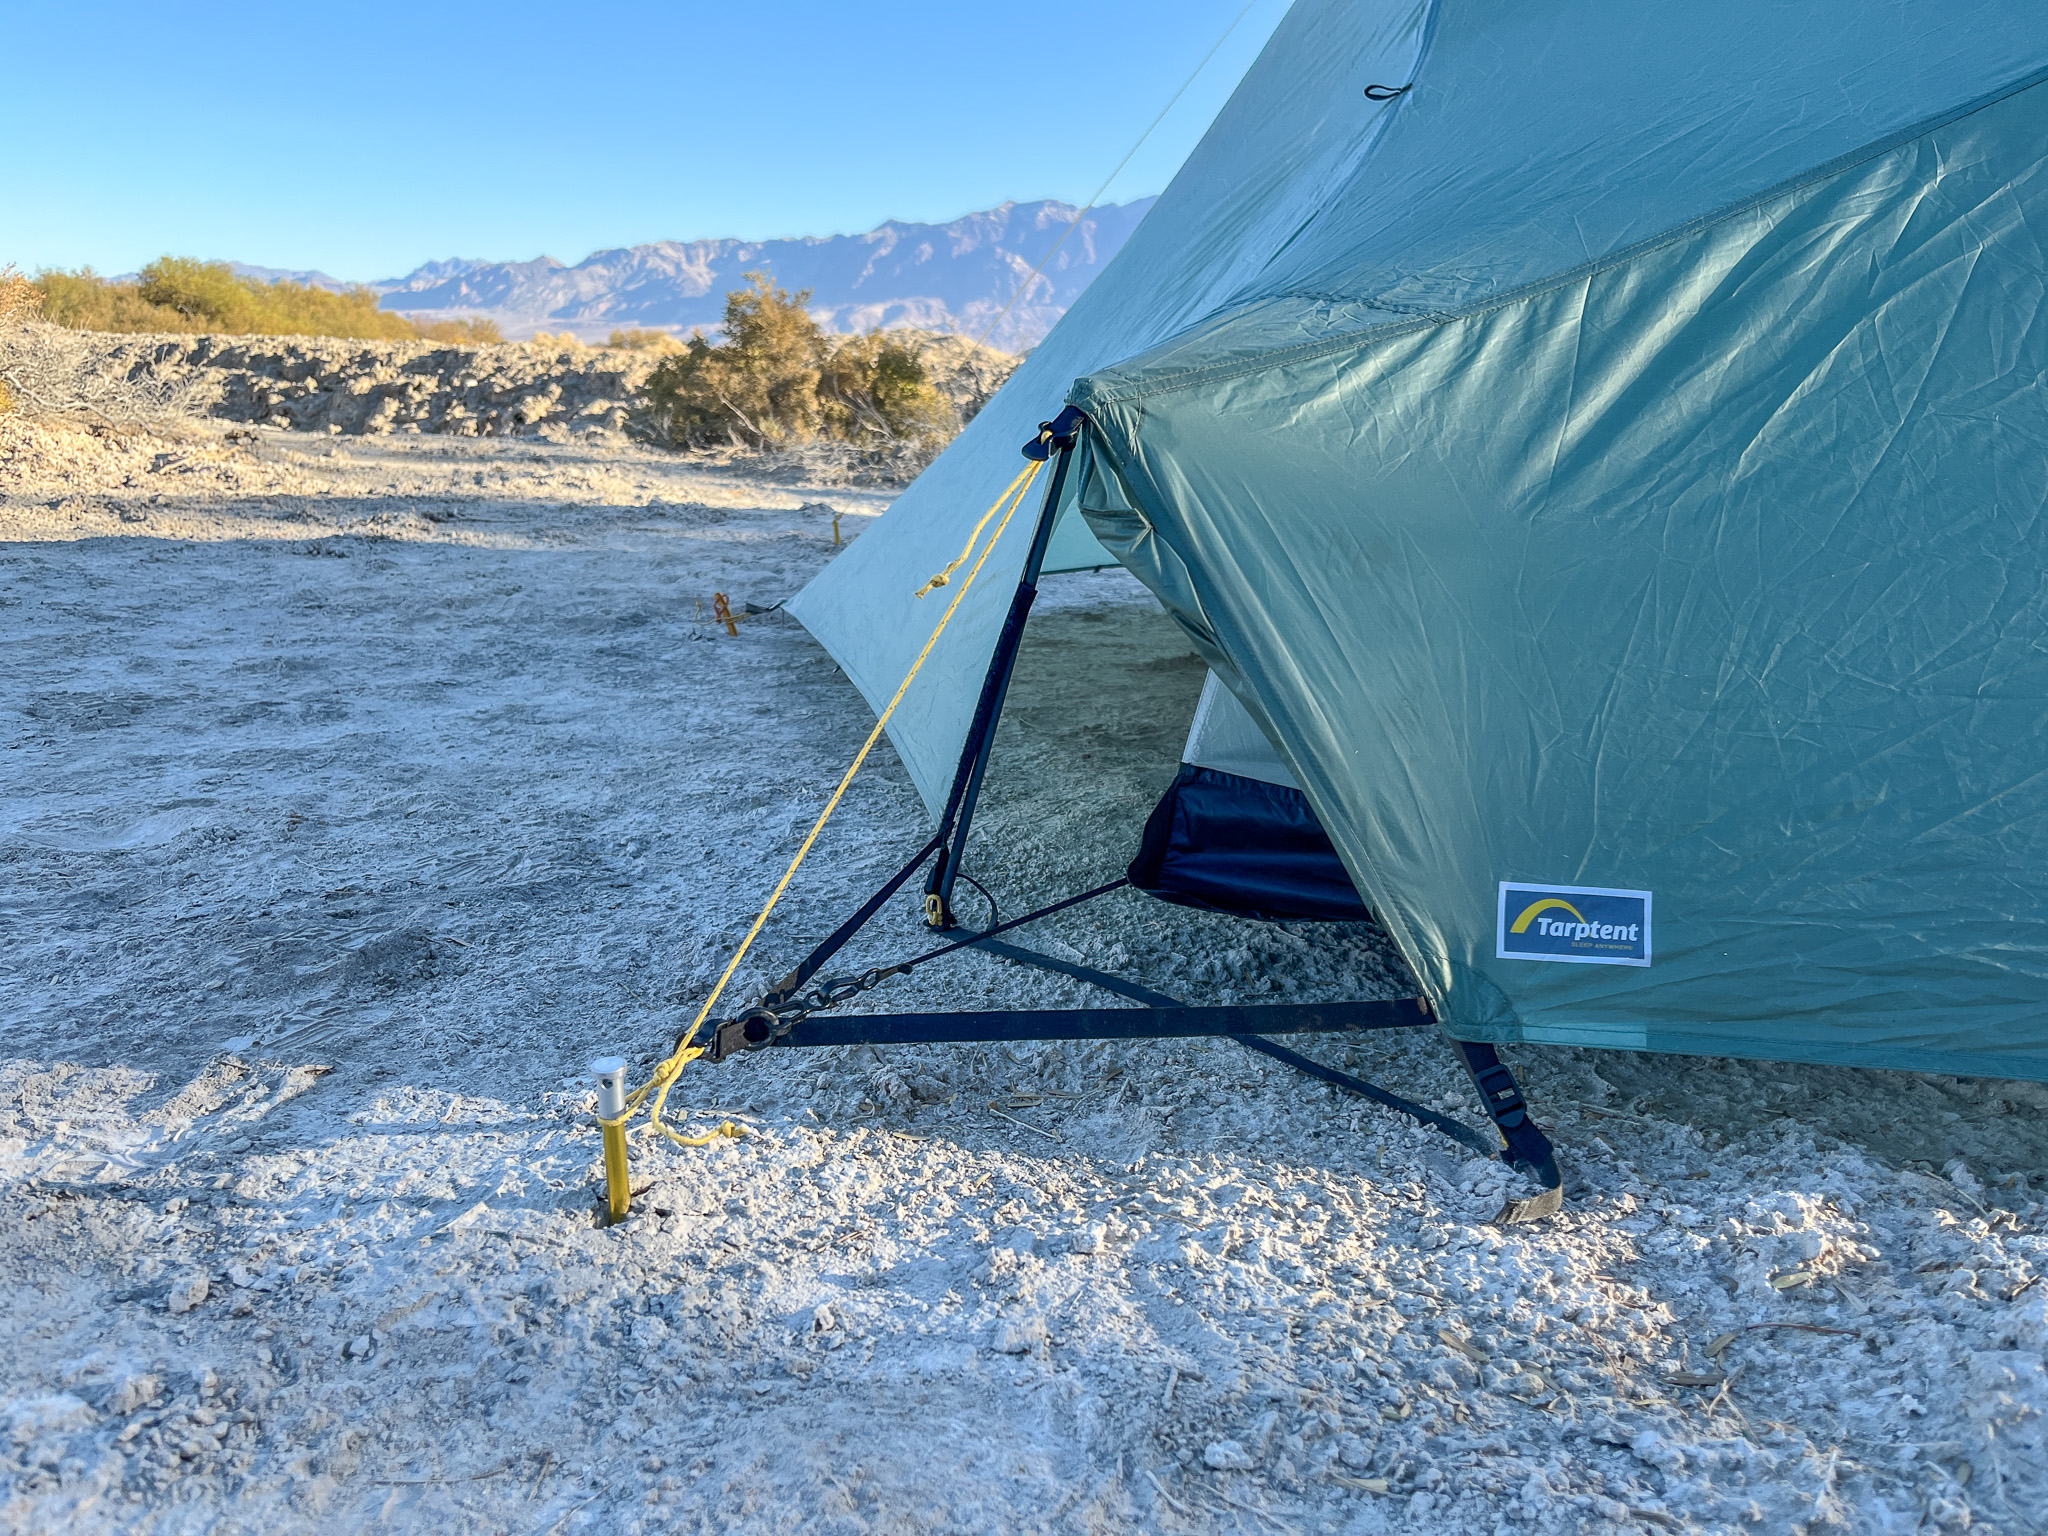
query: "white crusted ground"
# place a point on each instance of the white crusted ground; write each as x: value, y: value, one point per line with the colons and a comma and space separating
x: 350, y: 802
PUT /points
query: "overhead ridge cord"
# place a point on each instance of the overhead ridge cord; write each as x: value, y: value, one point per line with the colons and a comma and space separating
x: 687, y: 1050
x: 1024, y: 287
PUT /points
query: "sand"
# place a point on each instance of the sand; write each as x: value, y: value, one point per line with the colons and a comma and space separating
x: 355, y: 792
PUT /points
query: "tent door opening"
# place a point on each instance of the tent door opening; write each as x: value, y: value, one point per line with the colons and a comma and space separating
x: 1233, y: 833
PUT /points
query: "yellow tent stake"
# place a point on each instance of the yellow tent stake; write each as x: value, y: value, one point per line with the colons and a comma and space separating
x: 610, y: 1072
x: 687, y: 1050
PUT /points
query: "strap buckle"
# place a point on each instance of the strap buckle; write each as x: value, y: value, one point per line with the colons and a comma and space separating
x: 1502, y: 1096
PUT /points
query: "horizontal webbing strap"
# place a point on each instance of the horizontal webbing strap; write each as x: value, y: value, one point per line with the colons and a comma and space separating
x: 1102, y: 1023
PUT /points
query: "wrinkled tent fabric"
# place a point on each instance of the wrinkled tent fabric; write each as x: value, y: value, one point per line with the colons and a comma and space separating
x: 1623, y: 467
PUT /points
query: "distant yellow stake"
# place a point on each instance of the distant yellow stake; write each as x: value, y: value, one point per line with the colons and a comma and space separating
x: 610, y: 1072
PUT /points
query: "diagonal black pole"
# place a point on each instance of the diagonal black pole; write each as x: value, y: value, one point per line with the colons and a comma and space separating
x: 1057, y: 438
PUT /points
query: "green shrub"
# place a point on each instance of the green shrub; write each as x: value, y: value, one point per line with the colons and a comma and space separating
x: 178, y: 294
x: 757, y: 387
x: 85, y: 301
x: 777, y: 379
x: 874, y: 386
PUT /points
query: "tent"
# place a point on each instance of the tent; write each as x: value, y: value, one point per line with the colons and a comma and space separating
x: 1601, y: 451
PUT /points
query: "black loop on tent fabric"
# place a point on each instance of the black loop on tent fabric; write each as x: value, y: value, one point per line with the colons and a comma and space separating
x: 1387, y: 92
x: 906, y: 967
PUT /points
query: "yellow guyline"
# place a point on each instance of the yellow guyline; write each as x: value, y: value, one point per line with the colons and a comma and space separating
x: 687, y: 1050
x: 973, y: 539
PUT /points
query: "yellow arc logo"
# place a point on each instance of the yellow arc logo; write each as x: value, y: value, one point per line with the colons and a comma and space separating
x: 1530, y: 913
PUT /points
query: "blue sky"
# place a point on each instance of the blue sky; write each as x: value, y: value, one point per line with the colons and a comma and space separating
x: 366, y: 139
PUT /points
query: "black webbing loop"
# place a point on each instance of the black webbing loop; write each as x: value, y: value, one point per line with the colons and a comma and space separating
x: 1387, y: 92
x: 904, y: 968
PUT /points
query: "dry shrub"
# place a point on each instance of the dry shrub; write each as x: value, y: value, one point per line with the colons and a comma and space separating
x: 20, y: 299
x: 176, y: 295
x: 778, y: 381
x: 47, y: 370
x: 20, y: 302
x: 468, y: 333
x: 643, y: 341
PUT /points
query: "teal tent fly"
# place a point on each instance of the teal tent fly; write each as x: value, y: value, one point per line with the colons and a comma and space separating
x: 1607, y: 461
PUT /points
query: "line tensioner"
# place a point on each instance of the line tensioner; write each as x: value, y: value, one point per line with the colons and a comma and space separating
x: 788, y: 1016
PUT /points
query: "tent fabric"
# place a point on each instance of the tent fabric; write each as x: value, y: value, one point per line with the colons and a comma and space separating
x: 1245, y: 846
x: 1539, y: 134
x: 1715, y: 568
x: 1614, y: 468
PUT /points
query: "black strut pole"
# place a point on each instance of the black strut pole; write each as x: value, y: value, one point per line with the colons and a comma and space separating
x: 996, y: 686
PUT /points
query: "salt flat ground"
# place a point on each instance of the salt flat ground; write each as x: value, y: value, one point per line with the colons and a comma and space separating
x: 353, y: 795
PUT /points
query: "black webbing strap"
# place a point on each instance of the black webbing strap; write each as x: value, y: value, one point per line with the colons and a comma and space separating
x: 1527, y: 1146
x: 1091, y: 1024
x: 1054, y: 437
x: 1463, y: 1134
x: 1102, y: 979
x: 980, y: 730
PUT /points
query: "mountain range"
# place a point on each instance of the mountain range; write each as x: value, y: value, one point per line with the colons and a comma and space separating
x: 939, y: 277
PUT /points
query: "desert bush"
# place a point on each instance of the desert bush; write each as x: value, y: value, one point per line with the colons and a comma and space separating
x: 177, y: 294
x: 20, y: 299
x: 643, y: 341
x: 85, y: 301
x: 876, y: 387
x: 20, y: 303
x: 473, y: 333
x: 563, y: 341
x: 210, y: 296
x: 777, y: 380
x: 758, y: 387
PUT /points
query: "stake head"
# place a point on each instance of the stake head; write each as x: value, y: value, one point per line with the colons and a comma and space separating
x: 610, y: 1072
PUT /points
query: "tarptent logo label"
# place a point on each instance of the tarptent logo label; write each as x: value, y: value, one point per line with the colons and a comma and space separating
x: 1577, y: 924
